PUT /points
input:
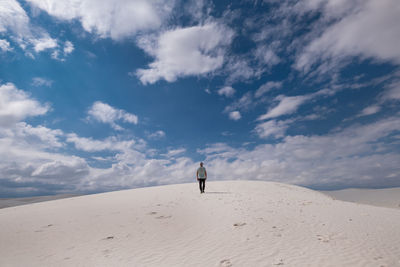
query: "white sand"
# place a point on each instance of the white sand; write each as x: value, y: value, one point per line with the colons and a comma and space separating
x: 388, y: 197
x: 237, y: 223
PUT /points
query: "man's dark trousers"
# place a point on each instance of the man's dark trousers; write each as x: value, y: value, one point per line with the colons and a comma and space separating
x: 202, y: 185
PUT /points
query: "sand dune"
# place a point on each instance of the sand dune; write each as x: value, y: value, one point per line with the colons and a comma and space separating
x: 236, y: 223
x: 11, y: 202
x: 388, y: 197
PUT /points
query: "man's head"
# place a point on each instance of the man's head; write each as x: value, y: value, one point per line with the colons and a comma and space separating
x: 201, y: 164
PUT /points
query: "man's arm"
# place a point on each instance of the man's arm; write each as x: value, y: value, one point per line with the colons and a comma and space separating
x: 197, y: 174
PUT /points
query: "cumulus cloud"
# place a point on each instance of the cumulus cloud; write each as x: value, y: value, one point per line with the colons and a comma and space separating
x: 368, y: 29
x: 105, y: 113
x: 227, y: 91
x: 235, y: 115
x: 5, y: 45
x: 272, y: 128
x: 44, y: 43
x: 42, y: 136
x: 15, y: 22
x: 74, y: 167
x: 31, y: 165
x: 91, y: 145
x: 354, y: 156
x: 68, y: 47
x: 182, y: 52
x: 115, y: 19
x: 13, y: 18
x: 16, y: 105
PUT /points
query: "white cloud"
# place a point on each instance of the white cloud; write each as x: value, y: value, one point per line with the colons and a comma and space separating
x: 266, y: 87
x: 107, y: 114
x: 15, y: 22
x: 61, y: 54
x: 157, y: 135
x: 240, y: 68
x: 244, y: 103
x: 13, y: 18
x: 235, y: 115
x: 370, y: 110
x: 16, y: 105
x: 46, y: 137
x: 68, y: 47
x: 287, y: 105
x: 392, y: 92
x: 27, y: 166
x: 39, y: 81
x: 272, y: 128
x: 74, y: 167
x: 227, y: 91
x: 91, y: 145
x: 44, y: 43
x: 182, y: 52
x: 354, y: 156
x: 5, y: 45
x: 363, y: 28
x: 174, y: 152
x: 267, y: 56
x: 116, y: 19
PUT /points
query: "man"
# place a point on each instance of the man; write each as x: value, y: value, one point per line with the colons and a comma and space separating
x: 201, y: 177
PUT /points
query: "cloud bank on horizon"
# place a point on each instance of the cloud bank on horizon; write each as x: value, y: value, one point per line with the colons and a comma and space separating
x: 100, y: 95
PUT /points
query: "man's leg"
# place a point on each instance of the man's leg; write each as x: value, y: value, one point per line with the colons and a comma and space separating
x: 200, y: 185
x: 204, y: 184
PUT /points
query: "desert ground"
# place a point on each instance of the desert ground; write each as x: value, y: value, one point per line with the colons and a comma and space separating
x: 235, y: 223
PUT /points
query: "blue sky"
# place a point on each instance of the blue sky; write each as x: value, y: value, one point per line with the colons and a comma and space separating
x: 106, y: 95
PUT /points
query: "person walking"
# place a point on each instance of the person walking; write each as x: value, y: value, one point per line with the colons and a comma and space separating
x: 201, y: 177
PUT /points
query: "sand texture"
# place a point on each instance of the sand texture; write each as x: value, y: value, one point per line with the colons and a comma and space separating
x: 236, y: 223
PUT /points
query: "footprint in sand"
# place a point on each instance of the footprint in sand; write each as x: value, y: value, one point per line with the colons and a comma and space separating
x: 163, y: 217
x: 152, y: 213
x: 225, y: 263
x: 278, y: 262
x: 324, y: 239
x: 108, y: 238
x: 107, y: 253
x: 40, y: 230
x: 239, y: 224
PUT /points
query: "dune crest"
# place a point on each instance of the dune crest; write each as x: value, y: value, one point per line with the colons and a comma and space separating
x: 236, y: 223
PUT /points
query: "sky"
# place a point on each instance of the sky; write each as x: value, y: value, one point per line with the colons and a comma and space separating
x: 99, y: 95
